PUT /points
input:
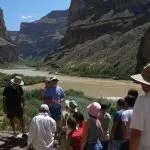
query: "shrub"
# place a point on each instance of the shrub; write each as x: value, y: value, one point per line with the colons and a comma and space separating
x: 33, y: 104
x: 75, y: 93
x: 5, y: 79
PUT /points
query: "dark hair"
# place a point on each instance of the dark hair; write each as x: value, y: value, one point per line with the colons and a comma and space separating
x: 105, y: 106
x: 71, y: 122
x: 130, y: 100
x: 78, y: 116
x: 133, y: 92
x: 92, y: 116
x: 121, y: 102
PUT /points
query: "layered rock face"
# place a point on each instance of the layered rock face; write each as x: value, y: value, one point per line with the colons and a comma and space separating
x: 143, y: 55
x: 8, y: 51
x: 103, y: 36
x: 41, y: 37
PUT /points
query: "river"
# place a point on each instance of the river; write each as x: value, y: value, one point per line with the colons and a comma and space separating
x: 90, y: 86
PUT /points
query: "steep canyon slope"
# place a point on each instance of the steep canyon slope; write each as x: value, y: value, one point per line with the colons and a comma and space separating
x: 104, y: 38
x: 8, y: 52
x: 38, y: 38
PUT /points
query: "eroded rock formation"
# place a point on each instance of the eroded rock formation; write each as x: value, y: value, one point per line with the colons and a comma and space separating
x: 103, y: 37
x: 8, y: 51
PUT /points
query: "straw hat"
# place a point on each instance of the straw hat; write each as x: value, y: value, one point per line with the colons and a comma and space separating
x: 144, y: 77
x: 72, y: 105
x: 50, y: 79
x: 17, y: 80
x: 94, y: 109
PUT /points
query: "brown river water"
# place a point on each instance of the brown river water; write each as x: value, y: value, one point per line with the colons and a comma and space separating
x: 90, y: 86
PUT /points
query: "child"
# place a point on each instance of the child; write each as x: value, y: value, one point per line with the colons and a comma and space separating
x: 73, y: 138
x: 105, y: 119
x: 80, y: 120
x: 92, y: 131
x: 71, y: 108
x: 116, y: 137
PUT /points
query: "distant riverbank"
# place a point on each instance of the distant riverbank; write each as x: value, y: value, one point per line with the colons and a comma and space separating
x: 90, y: 86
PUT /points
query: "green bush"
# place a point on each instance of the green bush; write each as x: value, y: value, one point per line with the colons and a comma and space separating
x: 34, y: 94
x: 74, y: 93
x: 33, y: 104
x: 5, y: 79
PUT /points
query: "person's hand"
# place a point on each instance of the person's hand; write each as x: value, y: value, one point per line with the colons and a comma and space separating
x: 64, y: 129
x: 23, y: 108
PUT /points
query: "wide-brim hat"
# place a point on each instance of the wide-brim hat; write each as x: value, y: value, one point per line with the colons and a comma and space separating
x: 94, y: 109
x: 144, y: 77
x: 17, y: 80
x: 50, y: 79
x: 72, y: 105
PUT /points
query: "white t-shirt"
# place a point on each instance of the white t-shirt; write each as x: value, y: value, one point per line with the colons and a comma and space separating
x: 127, y: 117
x: 41, y: 132
x: 141, y: 121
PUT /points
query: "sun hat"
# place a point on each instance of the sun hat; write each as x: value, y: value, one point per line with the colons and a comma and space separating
x: 44, y: 107
x: 50, y: 79
x: 144, y: 77
x: 94, y: 109
x: 17, y: 80
x: 72, y: 105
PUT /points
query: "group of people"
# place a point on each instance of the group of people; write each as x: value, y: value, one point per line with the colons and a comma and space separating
x: 130, y: 123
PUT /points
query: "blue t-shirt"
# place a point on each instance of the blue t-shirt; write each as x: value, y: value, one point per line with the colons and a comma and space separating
x: 55, y: 93
x: 118, y: 119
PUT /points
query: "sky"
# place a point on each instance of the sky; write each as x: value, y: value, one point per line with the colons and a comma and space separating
x: 17, y: 11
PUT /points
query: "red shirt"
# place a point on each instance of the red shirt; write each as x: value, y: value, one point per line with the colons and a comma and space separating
x: 75, y: 137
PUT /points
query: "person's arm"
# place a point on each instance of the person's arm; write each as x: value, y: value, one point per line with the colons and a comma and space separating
x: 101, y: 134
x: 32, y: 132
x: 113, y: 131
x: 4, y: 105
x: 4, y: 100
x: 124, y: 126
x: 85, y: 136
x: 42, y: 94
x: 53, y: 126
x: 137, y: 123
x: 22, y: 98
x: 135, y: 138
x: 114, y: 127
x: 62, y: 95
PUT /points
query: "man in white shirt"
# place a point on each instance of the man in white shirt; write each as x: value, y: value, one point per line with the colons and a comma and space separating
x: 126, y: 121
x: 42, y: 130
x: 140, y: 124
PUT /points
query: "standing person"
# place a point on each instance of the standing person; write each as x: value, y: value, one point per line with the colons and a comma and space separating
x: 92, y: 131
x: 42, y: 130
x: 140, y: 124
x: 80, y: 120
x: 126, y: 120
x: 13, y: 103
x: 71, y: 110
x: 53, y: 95
x: 134, y: 93
x: 105, y: 119
x: 116, y: 137
x: 73, y: 138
